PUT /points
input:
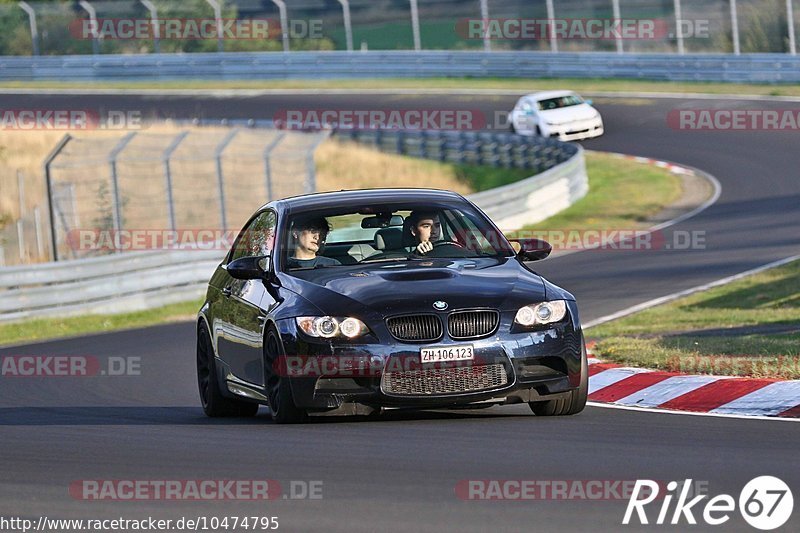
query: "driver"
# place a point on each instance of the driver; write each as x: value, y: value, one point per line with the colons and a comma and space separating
x: 307, y: 237
x: 426, y: 228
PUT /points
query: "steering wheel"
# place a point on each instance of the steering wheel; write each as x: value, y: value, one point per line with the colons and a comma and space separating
x: 438, y: 244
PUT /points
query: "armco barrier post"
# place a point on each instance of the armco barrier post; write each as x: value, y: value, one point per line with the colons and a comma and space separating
x: 487, y: 43
x: 223, y: 217
x: 267, y: 164
x: 34, y: 30
x: 311, y: 176
x: 21, y: 240
x: 617, y: 17
x: 21, y: 193
x: 284, y: 23
x: 49, y: 182
x: 218, y: 18
x: 790, y: 21
x: 348, y: 28
x: 154, y: 21
x: 551, y: 15
x: 415, y: 25
x: 679, y: 27
x: 93, y: 18
x: 735, y: 28
x: 37, y: 221
x: 168, y: 177
x: 112, y: 161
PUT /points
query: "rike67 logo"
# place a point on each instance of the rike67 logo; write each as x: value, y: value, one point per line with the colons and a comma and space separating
x: 765, y: 503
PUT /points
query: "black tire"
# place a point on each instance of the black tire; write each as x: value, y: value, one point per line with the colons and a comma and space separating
x: 214, y: 403
x: 279, y: 392
x: 513, y: 128
x: 572, y: 403
x: 537, y: 132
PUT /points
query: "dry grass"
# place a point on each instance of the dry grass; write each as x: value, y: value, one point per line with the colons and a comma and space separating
x: 346, y: 165
x: 23, y: 150
x: 340, y: 165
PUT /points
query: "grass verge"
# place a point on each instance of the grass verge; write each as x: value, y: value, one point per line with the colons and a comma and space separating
x: 610, y: 179
x: 750, y: 327
x: 53, y: 328
x: 622, y: 195
x: 520, y: 84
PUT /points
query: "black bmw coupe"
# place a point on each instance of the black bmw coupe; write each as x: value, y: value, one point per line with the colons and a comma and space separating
x: 358, y: 301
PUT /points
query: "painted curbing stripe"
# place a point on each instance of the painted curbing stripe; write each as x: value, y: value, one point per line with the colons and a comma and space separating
x: 596, y: 368
x: 628, y: 386
x: 771, y: 400
x: 715, y: 394
x: 611, y: 376
x: 664, y: 391
x: 794, y: 412
x: 593, y: 361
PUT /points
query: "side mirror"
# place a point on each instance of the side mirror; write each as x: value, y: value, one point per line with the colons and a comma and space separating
x: 533, y: 249
x: 255, y: 267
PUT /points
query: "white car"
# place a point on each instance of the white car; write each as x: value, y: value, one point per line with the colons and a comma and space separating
x: 560, y: 114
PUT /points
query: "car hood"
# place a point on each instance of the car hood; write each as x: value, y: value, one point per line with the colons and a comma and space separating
x: 385, y: 289
x: 566, y: 114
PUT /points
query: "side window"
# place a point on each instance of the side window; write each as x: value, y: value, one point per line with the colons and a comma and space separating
x: 258, y: 238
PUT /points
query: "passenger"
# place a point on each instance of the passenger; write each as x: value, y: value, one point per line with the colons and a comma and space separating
x: 307, y: 237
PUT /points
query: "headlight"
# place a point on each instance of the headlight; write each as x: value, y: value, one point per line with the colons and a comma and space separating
x: 543, y: 313
x: 328, y: 327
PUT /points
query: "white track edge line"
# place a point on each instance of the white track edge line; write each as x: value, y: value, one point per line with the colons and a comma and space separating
x: 675, y: 295
x: 690, y: 413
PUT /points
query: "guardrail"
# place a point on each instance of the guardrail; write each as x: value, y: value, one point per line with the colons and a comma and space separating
x: 559, y: 169
x: 506, y: 150
x: 754, y: 68
x: 133, y: 281
x: 111, y: 284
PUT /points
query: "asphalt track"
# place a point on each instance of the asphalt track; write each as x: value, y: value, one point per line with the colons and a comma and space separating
x: 400, y: 472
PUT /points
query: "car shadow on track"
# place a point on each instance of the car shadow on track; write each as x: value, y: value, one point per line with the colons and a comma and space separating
x: 193, y: 416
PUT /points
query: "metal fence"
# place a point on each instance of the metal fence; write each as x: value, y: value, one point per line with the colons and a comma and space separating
x: 171, y: 182
x: 140, y: 280
x: 682, y: 26
x: 23, y: 239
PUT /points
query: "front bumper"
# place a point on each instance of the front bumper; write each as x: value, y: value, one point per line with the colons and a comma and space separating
x: 576, y: 131
x: 509, y: 367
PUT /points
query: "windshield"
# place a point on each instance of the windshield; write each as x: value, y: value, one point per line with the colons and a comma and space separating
x: 373, y: 234
x: 561, y: 101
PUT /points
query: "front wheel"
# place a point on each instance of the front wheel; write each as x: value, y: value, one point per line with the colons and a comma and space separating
x: 572, y: 403
x: 281, y: 401
x: 214, y: 403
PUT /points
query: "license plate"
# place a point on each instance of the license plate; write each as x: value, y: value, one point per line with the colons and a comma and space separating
x: 437, y: 354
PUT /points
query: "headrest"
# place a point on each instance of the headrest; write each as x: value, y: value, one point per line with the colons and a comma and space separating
x: 389, y: 239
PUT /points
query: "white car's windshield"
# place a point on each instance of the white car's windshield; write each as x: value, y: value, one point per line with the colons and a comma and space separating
x: 561, y: 101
